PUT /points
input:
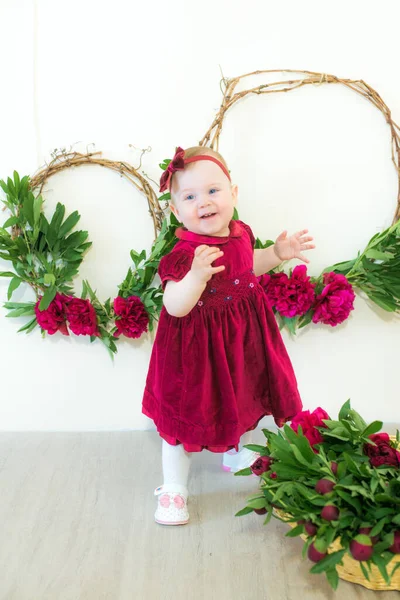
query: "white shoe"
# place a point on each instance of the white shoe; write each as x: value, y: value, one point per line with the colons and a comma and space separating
x: 172, y: 504
x: 236, y: 461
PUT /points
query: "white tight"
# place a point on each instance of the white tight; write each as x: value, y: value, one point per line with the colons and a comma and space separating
x: 176, y: 461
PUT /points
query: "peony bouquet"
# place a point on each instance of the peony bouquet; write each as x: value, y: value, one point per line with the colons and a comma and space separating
x: 337, y: 484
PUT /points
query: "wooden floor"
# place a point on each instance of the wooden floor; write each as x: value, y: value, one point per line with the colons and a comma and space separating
x: 76, y: 514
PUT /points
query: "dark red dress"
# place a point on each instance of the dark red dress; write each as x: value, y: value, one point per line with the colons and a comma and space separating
x: 217, y: 371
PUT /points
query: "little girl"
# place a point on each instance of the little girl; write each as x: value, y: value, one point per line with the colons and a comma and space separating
x: 218, y: 363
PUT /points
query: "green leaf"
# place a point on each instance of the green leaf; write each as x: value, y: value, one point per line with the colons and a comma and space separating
x: 382, y: 512
x: 305, y: 319
x: 373, y: 427
x: 357, y: 488
x: 364, y: 570
x: 16, y: 180
x: 301, y: 442
x: 257, y: 448
x: 69, y: 224
x: 29, y: 326
x: 48, y: 296
x: 306, y: 545
x: 299, y: 456
x: 376, y: 255
x: 84, y: 290
x: 397, y: 566
x: 378, y: 527
x: 14, y: 284
x: 349, y: 499
x: 328, y: 562
x: 380, y: 563
x: 340, y: 434
x: 344, y: 411
x: 244, y: 511
x: 11, y: 221
x: 11, y: 187
x: 256, y: 502
x: 246, y: 471
x: 37, y: 209
x: 49, y: 279
x: 295, y: 531
x: 19, y: 304
x: 290, y: 323
x: 332, y: 577
x: 27, y: 209
x: 341, y: 267
x: 383, y: 302
x: 269, y: 515
x: 7, y: 274
x: 21, y: 312
x: 3, y: 186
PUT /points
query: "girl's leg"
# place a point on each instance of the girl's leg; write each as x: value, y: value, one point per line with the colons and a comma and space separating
x: 173, y: 494
x: 236, y: 461
x: 176, y: 464
x: 247, y: 438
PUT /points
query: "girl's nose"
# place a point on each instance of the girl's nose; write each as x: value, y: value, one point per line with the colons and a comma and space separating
x: 204, y: 201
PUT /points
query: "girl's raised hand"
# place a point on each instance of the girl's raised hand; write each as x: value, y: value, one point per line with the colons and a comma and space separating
x: 287, y: 248
x: 201, y: 265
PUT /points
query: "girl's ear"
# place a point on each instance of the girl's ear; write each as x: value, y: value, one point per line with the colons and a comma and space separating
x: 235, y: 191
x: 174, y: 210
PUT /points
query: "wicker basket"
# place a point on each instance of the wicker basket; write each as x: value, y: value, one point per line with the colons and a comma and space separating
x: 351, y: 571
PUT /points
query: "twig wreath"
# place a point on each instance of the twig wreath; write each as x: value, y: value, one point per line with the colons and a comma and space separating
x: 46, y: 255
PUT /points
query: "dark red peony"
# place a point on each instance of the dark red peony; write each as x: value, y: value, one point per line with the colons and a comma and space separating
x: 290, y: 296
x: 52, y: 319
x: 81, y: 316
x: 132, y: 318
x: 261, y: 465
x: 335, y: 302
x: 383, y: 453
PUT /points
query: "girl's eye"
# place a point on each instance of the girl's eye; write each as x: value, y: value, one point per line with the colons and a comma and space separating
x: 190, y: 197
x: 213, y: 190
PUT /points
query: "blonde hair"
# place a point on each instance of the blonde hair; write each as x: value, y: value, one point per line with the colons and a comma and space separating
x: 197, y: 151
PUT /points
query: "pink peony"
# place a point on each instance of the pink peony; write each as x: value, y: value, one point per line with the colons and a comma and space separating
x: 335, y: 302
x: 81, y: 317
x: 309, y: 422
x: 290, y: 296
x: 133, y: 317
x: 52, y: 319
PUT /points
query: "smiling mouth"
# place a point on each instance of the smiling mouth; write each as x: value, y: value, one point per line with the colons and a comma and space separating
x: 208, y: 215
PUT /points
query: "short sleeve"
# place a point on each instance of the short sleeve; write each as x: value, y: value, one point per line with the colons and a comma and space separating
x: 249, y: 231
x: 174, y: 266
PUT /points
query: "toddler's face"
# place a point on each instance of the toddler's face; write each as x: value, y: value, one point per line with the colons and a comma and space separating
x: 200, y: 190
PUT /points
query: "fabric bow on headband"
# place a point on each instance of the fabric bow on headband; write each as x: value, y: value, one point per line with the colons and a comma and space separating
x: 176, y: 164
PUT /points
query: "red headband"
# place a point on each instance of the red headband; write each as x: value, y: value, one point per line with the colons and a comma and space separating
x: 178, y: 164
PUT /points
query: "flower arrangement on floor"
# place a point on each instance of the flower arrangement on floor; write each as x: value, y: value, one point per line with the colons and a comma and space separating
x: 337, y: 484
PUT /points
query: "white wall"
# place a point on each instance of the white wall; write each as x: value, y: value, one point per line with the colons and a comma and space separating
x: 148, y: 75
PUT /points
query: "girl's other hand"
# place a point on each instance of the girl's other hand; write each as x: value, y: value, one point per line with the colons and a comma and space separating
x: 287, y: 248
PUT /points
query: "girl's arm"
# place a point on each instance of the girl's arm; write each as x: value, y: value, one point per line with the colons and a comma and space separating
x: 265, y: 259
x: 181, y: 296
